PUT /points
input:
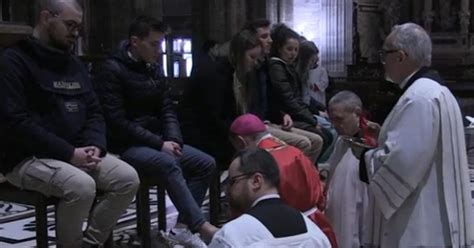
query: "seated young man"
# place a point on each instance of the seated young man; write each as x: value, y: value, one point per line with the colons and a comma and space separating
x: 268, y: 221
x: 54, y: 131
x: 299, y: 186
x: 144, y: 128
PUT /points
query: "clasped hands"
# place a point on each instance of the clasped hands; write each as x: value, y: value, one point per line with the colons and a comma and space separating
x: 86, y: 158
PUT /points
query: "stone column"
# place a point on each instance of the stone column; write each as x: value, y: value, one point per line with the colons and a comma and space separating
x: 464, y: 17
x: 236, y: 16
x: 272, y: 10
x: 390, y: 14
x: 217, y: 19
x: 256, y: 9
x: 338, y: 35
x: 368, y: 25
x: 417, y: 10
x: 428, y: 15
x: 286, y: 12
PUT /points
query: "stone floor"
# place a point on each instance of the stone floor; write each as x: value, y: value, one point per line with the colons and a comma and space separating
x: 17, y: 226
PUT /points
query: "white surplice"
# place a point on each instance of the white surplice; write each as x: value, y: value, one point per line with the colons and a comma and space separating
x: 347, y: 196
x: 419, y: 188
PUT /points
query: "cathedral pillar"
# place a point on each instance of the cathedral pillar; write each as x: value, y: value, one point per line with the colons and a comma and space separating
x: 370, y: 30
x: 428, y: 15
x: 464, y: 17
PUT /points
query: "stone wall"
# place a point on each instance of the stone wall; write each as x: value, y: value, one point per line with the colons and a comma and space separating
x: 448, y: 21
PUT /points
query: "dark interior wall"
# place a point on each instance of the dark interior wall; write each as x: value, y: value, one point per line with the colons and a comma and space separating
x: 256, y: 9
x: 106, y: 21
x: 220, y: 19
x: 109, y: 20
x: 23, y: 11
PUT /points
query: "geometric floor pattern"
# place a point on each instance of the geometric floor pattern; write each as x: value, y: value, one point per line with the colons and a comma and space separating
x: 17, y: 223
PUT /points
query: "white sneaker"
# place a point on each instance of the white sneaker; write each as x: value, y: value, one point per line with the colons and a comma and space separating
x: 186, y: 238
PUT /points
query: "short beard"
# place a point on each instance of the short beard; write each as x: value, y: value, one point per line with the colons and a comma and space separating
x: 53, y: 42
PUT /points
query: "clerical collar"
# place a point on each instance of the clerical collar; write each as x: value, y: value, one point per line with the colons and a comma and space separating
x: 422, y: 72
x: 405, y: 81
x: 265, y: 197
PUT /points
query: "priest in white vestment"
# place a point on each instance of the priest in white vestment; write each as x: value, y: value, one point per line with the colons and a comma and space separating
x: 267, y: 221
x: 347, y: 195
x: 418, y: 176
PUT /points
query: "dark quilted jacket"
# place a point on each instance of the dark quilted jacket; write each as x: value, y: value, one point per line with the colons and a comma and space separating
x: 136, y: 101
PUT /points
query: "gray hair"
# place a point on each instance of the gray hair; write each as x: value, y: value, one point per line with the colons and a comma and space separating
x: 415, y: 41
x: 348, y: 98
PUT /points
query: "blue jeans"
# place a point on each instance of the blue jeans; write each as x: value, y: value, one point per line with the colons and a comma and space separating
x: 186, y: 178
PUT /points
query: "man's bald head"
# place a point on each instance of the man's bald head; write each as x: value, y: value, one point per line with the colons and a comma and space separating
x: 348, y: 99
x: 58, y: 6
x: 344, y: 111
x: 59, y: 23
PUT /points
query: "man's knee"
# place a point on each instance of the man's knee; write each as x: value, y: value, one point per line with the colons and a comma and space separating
x: 316, y: 142
x: 127, y: 179
x: 79, y: 188
x: 206, y: 163
x: 303, y: 143
x: 124, y: 175
x: 209, y: 164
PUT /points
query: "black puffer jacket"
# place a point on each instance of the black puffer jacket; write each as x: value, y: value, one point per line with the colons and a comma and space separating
x: 136, y: 102
x: 47, y: 105
x: 287, y: 94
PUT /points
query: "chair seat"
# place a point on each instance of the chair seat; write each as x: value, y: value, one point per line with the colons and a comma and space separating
x: 11, y: 193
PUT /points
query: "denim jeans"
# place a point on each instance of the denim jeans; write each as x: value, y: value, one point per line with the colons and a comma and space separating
x: 186, y: 178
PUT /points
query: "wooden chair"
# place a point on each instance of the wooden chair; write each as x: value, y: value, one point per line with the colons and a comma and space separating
x: 143, y: 206
x: 13, y: 194
x: 143, y: 209
x: 10, y: 193
x: 215, y: 198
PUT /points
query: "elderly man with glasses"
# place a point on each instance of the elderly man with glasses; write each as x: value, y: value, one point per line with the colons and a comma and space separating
x: 417, y: 175
x: 268, y: 221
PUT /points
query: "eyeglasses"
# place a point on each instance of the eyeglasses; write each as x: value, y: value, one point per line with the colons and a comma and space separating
x: 70, y: 25
x: 383, y: 54
x: 233, y: 180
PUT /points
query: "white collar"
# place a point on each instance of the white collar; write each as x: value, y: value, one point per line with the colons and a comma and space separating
x: 405, y: 81
x: 265, y: 197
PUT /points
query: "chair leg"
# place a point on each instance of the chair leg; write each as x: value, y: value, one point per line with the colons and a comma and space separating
x: 161, y: 196
x: 138, y: 207
x: 214, y: 198
x: 41, y: 224
x: 143, y: 216
x: 109, y: 243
